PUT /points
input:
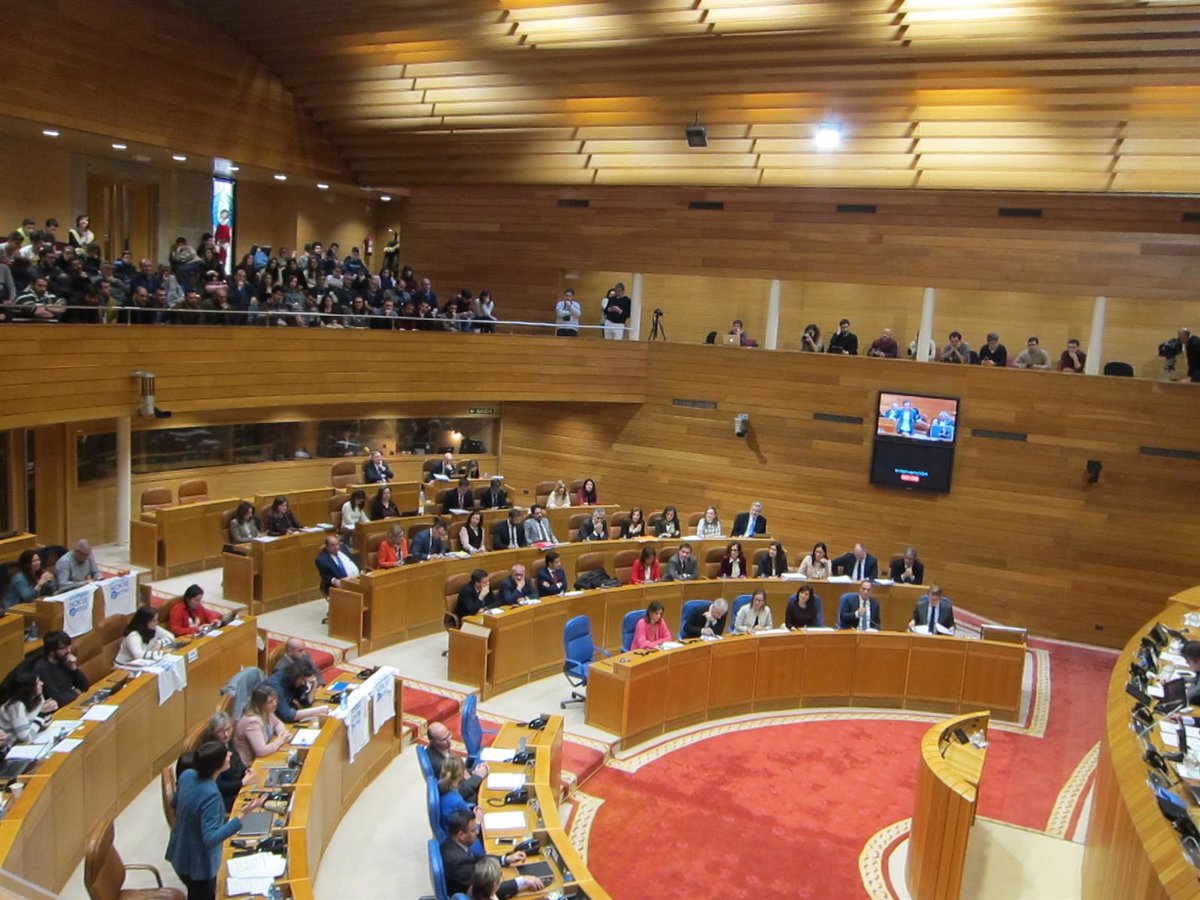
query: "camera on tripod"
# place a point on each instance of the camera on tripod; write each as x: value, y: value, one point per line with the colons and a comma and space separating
x: 658, y: 312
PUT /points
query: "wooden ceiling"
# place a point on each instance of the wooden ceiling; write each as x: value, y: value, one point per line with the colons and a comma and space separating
x: 983, y: 94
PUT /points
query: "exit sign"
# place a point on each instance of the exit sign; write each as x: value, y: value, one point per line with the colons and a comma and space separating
x: 482, y: 411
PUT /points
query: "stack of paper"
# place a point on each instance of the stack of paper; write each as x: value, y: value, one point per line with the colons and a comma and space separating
x: 257, y: 865
x: 305, y: 737
x: 101, y: 712
x: 505, y: 781
x: 495, y: 755
x: 503, y: 821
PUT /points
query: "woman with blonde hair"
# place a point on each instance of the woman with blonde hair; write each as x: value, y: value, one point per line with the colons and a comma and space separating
x: 259, y: 732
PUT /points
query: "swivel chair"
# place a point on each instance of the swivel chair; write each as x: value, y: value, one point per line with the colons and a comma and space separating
x: 690, y: 607
x: 628, y: 627
x: 580, y: 652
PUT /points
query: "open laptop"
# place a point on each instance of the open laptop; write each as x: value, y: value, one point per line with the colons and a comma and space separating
x: 731, y: 340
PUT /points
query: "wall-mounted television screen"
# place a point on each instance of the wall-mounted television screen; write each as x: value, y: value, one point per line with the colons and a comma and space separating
x: 914, y: 441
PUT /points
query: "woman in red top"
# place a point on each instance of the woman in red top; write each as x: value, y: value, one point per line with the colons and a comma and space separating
x: 190, y: 615
x: 651, y: 631
x: 393, y: 549
x: 645, y: 567
x: 587, y: 493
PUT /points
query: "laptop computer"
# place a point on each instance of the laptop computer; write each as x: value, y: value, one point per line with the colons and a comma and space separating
x: 731, y: 340
x: 256, y: 824
x: 278, y: 776
x: 227, y: 618
x: 1174, y: 695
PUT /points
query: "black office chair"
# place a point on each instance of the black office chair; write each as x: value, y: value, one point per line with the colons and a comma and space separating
x: 712, y: 338
x: 1120, y: 369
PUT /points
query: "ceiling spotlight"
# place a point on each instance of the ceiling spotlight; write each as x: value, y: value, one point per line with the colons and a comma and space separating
x: 49, y: 132
x: 386, y: 198
x: 279, y: 177
x: 828, y: 136
x: 696, y: 134
x: 120, y: 146
x: 179, y: 157
x: 141, y: 157
x: 322, y: 186
x: 235, y: 168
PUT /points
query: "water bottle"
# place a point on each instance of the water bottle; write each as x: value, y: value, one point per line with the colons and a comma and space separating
x: 421, y: 501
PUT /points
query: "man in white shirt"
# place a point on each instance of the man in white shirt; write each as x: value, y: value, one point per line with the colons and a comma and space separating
x: 537, y: 527
x: 566, y: 314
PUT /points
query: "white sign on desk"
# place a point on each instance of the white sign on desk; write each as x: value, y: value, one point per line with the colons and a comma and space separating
x: 77, y: 609
x: 120, y: 595
x: 383, y: 700
x: 358, y: 730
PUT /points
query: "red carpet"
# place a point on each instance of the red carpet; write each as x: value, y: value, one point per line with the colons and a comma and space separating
x: 784, y: 811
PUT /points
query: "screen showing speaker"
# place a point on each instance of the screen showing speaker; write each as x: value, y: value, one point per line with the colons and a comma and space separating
x: 914, y: 441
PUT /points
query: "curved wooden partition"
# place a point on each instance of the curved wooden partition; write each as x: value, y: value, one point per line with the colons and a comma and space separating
x: 1131, y: 849
x: 43, y: 833
x: 947, y: 794
x: 640, y: 694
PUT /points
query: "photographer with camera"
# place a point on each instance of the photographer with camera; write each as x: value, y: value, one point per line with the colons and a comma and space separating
x: 616, y: 308
x: 1184, y: 343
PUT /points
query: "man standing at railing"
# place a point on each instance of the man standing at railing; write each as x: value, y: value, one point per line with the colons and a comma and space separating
x: 566, y: 315
x: 616, y: 307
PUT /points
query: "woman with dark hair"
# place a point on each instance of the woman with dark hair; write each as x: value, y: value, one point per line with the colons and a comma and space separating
x: 280, y: 519
x: 26, y: 713
x: 587, y: 493
x: 645, y: 568
x: 143, y: 635
x: 816, y: 565
x: 354, y: 512
x: 810, y: 341
x: 81, y: 235
x: 408, y: 279
x: 734, y: 563
x: 651, y: 631
x: 190, y: 615
x: 243, y: 526
x: 636, y: 526
x: 30, y: 581
x: 383, y: 506
x: 259, y: 732
x: 482, y: 308
x: 470, y: 536
x: 201, y: 827
x: 803, y: 609
x: 330, y: 313
x: 773, y: 563
x: 668, y: 525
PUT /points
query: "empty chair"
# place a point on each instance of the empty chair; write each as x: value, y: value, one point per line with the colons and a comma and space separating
x: 472, y: 731
x: 104, y: 871
x: 689, y: 607
x: 1120, y: 369
x: 629, y: 626
x: 193, y: 492
x: 241, y: 686
x: 437, y: 872
x: 169, y: 785
x: 738, y: 602
x: 156, y: 498
x: 579, y: 653
x: 343, y: 473
x: 623, y: 565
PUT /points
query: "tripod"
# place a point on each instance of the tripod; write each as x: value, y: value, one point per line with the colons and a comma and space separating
x: 658, y: 331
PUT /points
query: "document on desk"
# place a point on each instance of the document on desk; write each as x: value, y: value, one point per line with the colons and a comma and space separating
x: 66, y: 745
x: 265, y: 538
x: 28, y: 751
x: 670, y: 645
x: 495, y: 755
x: 236, y: 887
x: 257, y: 865
x: 305, y: 737
x: 505, y: 781
x: 101, y: 712
x: 503, y: 821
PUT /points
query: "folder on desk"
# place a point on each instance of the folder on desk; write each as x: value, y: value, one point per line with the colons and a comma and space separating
x: 535, y: 870
x: 305, y: 737
x: 503, y: 821
x: 505, y: 781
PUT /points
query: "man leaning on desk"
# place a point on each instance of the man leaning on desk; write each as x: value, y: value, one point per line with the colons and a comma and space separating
x: 516, y: 587
x: 429, y: 543
x: 458, y: 859
x: 76, y: 567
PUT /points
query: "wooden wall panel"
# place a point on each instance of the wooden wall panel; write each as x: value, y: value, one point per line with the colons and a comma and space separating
x: 39, y: 188
x: 699, y: 305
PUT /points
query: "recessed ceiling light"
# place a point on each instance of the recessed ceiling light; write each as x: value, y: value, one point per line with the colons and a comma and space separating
x: 828, y: 135
x: 141, y: 157
x: 120, y: 146
x: 235, y: 168
x: 322, y: 186
x: 385, y: 197
x: 49, y: 132
x: 179, y: 157
x: 280, y: 177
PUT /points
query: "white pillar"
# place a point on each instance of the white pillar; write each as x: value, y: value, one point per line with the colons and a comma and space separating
x: 771, y: 339
x: 635, y: 308
x: 124, y: 478
x: 925, y: 333
x: 1095, y: 347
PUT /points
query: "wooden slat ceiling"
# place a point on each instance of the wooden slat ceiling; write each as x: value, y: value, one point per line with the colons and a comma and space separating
x: 984, y: 94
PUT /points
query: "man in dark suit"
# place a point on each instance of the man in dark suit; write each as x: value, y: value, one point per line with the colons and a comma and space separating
x: 459, y: 858
x: 495, y: 497
x: 474, y: 596
x: 509, y: 533
x: 439, y: 751
x: 430, y: 542
x: 907, y: 569
x: 858, y: 564
x: 750, y: 524
x: 444, y: 468
x: 333, y: 565
x: 376, y: 471
x: 934, y: 613
x: 859, y: 611
x: 516, y: 587
x: 682, y: 566
x: 460, y: 498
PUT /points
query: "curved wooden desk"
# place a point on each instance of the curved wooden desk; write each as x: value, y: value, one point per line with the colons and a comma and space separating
x: 541, y: 813
x: 42, y: 835
x: 1131, y: 849
x: 639, y: 695
x: 947, y: 794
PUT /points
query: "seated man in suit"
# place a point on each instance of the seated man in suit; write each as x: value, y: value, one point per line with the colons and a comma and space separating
x: 474, y: 596
x: 443, y: 471
x: 858, y: 564
x: 595, y: 528
x: 461, y: 498
x: 439, y: 751
x: 537, y: 527
x: 934, y: 613
x: 458, y: 859
x: 708, y: 620
x: 907, y: 569
x: 551, y: 578
x: 516, y: 587
x: 750, y: 524
x: 859, y: 610
x: 334, y: 564
x: 429, y: 543
x: 375, y: 470
x: 495, y: 497
x: 683, y: 565
x: 509, y: 533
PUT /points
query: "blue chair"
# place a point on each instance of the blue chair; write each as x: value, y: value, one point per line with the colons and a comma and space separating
x: 472, y: 731
x: 738, y: 602
x: 580, y: 653
x: 426, y: 762
x: 433, y: 799
x: 820, y: 613
x: 690, y: 607
x: 437, y: 872
x: 629, y: 626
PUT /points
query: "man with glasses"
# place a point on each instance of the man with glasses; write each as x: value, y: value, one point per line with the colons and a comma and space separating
x: 296, y: 683
x: 62, y: 679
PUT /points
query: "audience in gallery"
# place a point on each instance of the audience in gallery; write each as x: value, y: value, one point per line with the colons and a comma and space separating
x: 651, y: 631
x: 707, y: 621
x: 810, y: 340
x: 144, y: 639
x: 1033, y: 356
x: 884, y: 346
x: 753, y: 616
x: 259, y: 732
x: 189, y: 615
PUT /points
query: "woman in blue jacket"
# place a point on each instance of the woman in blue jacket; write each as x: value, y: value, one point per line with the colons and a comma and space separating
x: 200, y: 824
